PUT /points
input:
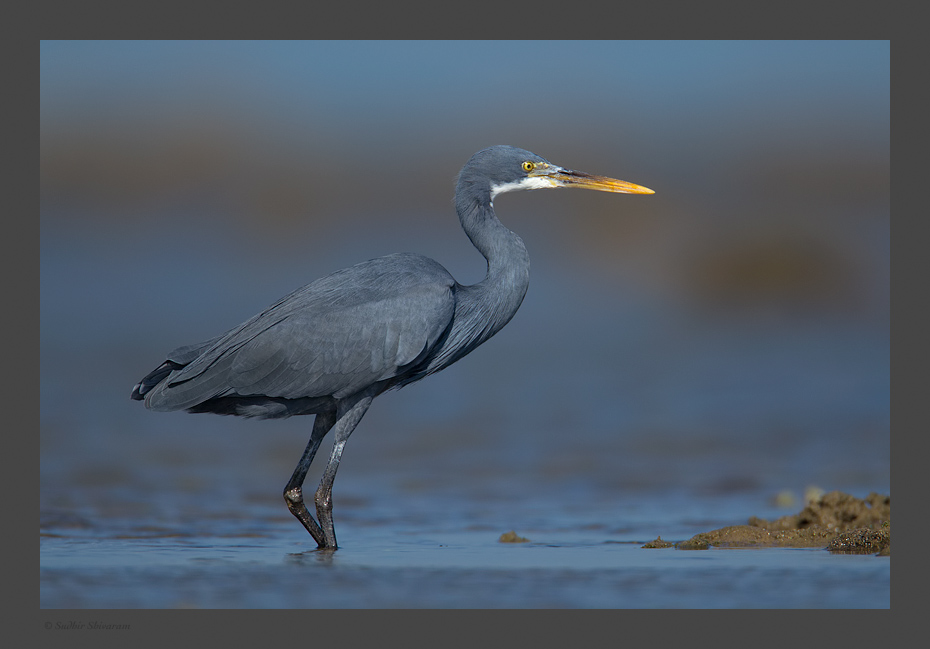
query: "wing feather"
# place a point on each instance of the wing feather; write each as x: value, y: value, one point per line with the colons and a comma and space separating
x: 334, y: 337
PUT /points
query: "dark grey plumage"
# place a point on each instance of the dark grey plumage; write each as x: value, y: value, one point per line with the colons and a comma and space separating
x: 332, y: 346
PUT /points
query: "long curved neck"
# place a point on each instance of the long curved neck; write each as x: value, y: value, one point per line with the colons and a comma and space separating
x: 482, y: 309
x: 496, y: 298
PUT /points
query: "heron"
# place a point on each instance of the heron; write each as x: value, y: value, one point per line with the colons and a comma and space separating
x: 329, y: 348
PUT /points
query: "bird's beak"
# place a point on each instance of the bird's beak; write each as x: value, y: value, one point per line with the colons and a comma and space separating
x: 569, y: 178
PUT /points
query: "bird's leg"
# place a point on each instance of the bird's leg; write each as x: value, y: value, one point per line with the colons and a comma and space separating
x: 293, y: 492
x: 349, y: 416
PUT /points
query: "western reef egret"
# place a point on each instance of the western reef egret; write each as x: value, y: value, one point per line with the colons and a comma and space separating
x: 329, y: 348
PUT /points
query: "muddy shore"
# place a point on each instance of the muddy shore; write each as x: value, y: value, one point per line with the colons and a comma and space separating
x: 836, y: 521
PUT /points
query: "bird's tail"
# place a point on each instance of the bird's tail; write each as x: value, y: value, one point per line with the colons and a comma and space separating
x: 176, y: 360
x: 153, y: 378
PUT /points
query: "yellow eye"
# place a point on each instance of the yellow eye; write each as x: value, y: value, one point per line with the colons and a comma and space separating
x: 528, y: 166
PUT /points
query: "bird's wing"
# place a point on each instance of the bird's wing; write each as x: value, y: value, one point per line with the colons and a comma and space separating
x: 342, y: 350
x: 333, y: 337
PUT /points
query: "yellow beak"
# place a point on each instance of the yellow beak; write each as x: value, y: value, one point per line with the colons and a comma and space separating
x: 569, y: 178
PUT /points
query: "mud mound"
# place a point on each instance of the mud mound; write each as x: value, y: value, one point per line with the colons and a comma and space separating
x: 836, y: 521
x: 834, y: 511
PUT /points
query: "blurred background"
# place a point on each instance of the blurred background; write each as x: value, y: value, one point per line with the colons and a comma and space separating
x: 727, y: 335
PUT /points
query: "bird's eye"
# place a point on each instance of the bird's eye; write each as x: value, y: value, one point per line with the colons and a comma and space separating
x: 529, y: 166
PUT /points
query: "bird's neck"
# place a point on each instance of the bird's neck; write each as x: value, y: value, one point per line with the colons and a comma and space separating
x: 501, y: 292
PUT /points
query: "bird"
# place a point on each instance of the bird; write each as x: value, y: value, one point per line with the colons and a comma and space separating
x: 329, y: 348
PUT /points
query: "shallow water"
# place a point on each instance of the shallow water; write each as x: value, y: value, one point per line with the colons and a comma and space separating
x: 176, y: 539
x: 447, y: 570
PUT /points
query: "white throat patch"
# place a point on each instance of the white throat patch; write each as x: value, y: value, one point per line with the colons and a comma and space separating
x: 530, y: 182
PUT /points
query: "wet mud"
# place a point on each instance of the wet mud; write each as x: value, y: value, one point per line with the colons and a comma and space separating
x: 836, y: 521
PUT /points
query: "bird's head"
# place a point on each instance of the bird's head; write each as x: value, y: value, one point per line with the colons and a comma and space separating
x: 507, y: 168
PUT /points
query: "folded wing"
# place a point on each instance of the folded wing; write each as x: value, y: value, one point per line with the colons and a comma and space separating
x: 347, y: 331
